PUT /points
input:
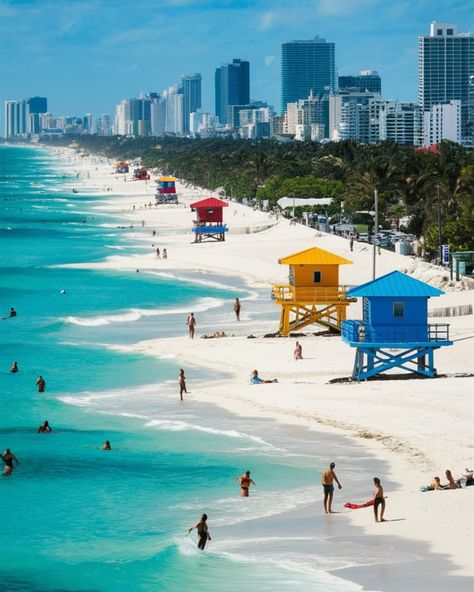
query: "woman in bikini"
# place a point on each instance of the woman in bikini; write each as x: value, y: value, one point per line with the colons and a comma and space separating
x: 245, y: 482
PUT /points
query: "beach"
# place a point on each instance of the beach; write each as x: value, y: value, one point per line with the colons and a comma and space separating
x: 410, y: 429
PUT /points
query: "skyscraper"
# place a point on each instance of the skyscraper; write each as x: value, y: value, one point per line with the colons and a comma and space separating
x: 445, y: 67
x: 306, y: 66
x: 191, y: 98
x: 232, y: 84
x: 366, y: 81
x: 16, y: 118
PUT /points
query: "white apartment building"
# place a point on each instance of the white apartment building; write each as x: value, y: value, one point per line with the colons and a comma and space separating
x: 442, y: 122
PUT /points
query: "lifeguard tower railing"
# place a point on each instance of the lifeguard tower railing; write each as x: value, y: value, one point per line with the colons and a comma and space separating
x: 357, y: 333
x: 286, y: 293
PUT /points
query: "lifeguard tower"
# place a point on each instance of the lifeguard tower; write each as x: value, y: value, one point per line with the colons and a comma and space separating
x: 166, y: 190
x: 121, y: 167
x: 209, y: 224
x: 395, y: 317
x: 313, y: 294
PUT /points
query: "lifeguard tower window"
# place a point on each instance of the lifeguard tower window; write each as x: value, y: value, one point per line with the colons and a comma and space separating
x: 398, y: 309
x: 317, y: 277
x: 210, y: 211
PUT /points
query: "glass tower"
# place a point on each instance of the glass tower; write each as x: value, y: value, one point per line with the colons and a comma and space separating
x: 366, y: 81
x: 191, y: 97
x: 232, y: 84
x: 306, y: 66
x: 445, y: 69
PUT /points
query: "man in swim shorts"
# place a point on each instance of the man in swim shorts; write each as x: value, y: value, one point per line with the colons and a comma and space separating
x: 379, y: 500
x: 245, y: 482
x: 327, y: 481
x: 203, y: 532
x: 8, y: 458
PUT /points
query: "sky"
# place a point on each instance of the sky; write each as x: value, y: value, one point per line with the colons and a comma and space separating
x: 88, y: 55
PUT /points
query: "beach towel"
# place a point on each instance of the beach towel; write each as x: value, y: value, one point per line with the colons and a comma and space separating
x: 358, y: 506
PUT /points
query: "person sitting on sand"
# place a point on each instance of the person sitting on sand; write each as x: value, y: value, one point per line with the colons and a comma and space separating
x: 379, y: 500
x: 298, y: 353
x: 14, y: 369
x: 203, y: 532
x: 8, y: 458
x: 106, y: 446
x: 255, y: 379
x: 44, y: 427
x: 245, y: 482
x: 451, y: 482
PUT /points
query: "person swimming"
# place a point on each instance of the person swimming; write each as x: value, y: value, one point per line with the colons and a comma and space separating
x: 14, y: 368
x: 106, y: 446
x: 12, y: 312
x: 8, y: 458
x: 41, y: 384
x: 203, y: 532
x: 44, y: 427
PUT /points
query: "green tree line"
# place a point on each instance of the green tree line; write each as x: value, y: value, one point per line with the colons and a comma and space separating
x: 410, y: 182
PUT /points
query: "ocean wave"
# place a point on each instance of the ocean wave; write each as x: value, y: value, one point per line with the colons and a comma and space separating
x: 134, y: 314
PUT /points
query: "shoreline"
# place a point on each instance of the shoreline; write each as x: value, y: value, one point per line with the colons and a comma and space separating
x: 457, y: 533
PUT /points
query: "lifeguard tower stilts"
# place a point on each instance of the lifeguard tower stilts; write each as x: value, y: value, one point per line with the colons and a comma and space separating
x: 394, y: 331
x: 166, y: 190
x: 313, y: 294
x: 209, y: 225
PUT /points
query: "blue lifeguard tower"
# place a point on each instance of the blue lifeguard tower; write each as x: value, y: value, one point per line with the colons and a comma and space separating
x: 395, y: 317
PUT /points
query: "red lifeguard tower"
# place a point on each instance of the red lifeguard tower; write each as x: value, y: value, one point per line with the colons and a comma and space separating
x: 209, y: 224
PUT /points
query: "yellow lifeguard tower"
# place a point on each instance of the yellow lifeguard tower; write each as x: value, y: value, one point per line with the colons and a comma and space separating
x: 313, y: 294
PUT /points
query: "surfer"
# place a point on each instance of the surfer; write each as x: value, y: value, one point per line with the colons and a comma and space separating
x: 106, y: 446
x: 41, y: 384
x: 379, y: 500
x: 44, y: 427
x: 14, y: 369
x: 245, y: 482
x: 203, y: 532
x: 8, y: 458
x: 191, y: 322
x: 327, y: 480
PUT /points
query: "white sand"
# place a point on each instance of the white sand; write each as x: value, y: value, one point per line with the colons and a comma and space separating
x: 422, y: 427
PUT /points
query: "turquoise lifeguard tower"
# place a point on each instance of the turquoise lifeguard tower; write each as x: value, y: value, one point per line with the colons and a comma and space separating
x: 394, y: 331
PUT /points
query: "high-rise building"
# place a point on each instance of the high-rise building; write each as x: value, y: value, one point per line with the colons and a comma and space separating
x: 445, y: 71
x: 308, y: 119
x: 394, y: 121
x: 349, y: 115
x: 306, y: 66
x: 232, y: 85
x: 442, y: 122
x: 16, y: 118
x: 366, y: 81
x: 191, y: 98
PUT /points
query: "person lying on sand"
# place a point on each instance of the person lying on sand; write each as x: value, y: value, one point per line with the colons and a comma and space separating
x: 452, y: 484
x: 255, y: 379
x: 215, y: 335
x: 436, y: 485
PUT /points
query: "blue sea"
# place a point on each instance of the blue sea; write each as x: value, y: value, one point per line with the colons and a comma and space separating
x: 77, y: 518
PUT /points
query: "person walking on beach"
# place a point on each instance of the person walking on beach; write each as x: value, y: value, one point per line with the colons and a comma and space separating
x: 327, y: 481
x: 182, y: 384
x: 158, y: 256
x: 8, y: 458
x: 379, y: 500
x: 298, y: 353
x: 245, y: 482
x: 237, y: 307
x: 44, y: 427
x: 165, y: 254
x: 351, y: 243
x: 203, y: 532
x: 191, y: 322
x: 14, y: 369
x: 41, y: 384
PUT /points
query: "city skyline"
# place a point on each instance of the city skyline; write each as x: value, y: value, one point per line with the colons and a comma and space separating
x: 92, y: 55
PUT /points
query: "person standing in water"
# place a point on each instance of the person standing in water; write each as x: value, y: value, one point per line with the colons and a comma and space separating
x: 44, y: 427
x: 191, y: 322
x: 8, y: 458
x: 12, y: 312
x: 237, y: 307
x: 379, y: 500
x: 203, y: 532
x: 106, y: 446
x: 182, y: 384
x: 14, y: 369
x: 327, y: 479
x: 41, y: 384
x: 245, y: 482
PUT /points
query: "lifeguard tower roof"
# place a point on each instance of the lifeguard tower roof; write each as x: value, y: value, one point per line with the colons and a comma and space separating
x: 167, y: 179
x: 395, y: 284
x: 313, y: 256
x: 209, y: 202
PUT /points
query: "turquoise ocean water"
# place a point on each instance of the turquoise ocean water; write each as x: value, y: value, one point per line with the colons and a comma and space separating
x: 75, y: 518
